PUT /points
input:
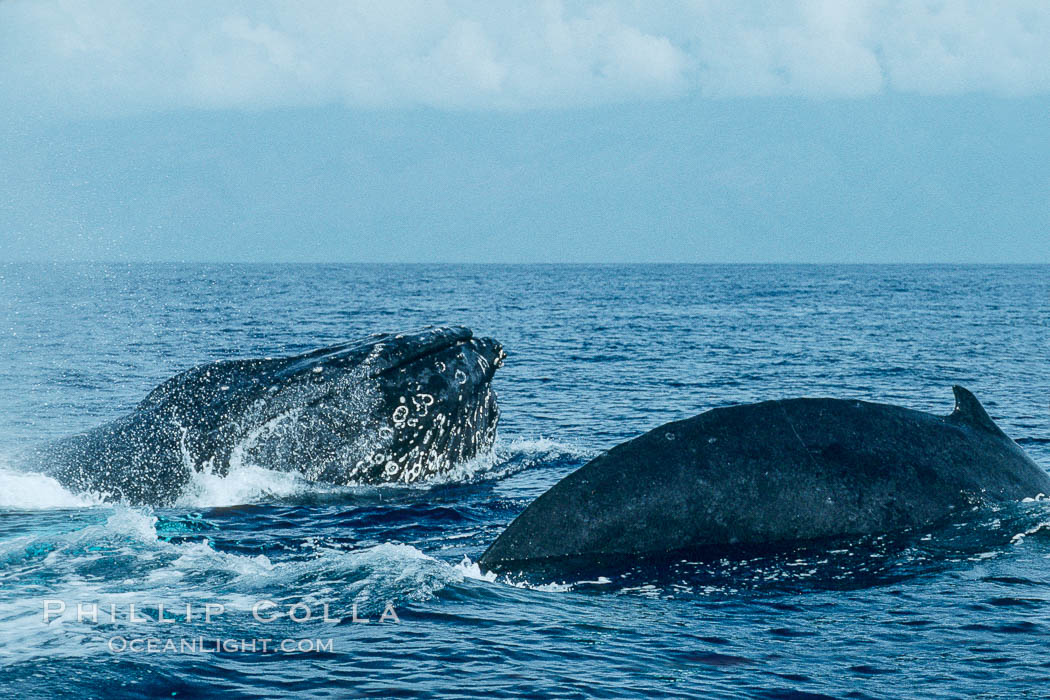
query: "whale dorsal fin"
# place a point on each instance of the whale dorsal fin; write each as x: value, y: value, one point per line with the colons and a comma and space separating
x: 969, y: 411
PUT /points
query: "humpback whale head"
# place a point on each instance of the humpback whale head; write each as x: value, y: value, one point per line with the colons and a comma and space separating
x: 391, y: 408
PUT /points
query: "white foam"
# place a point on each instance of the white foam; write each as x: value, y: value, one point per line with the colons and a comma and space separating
x: 246, y: 483
x: 545, y: 446
x: 1020, y: 536
x: 198, y: 557
x: 471, y: 570
x: 488, y: 464
x: 35, y: 491
x: 600, y: 581
x: 243, y: 484
x: 193, y: 573
x: 382, y: 572
x: 138, y: 524
x: 466, y: 471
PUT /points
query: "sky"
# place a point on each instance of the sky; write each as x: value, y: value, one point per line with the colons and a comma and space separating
x: 694, y: 131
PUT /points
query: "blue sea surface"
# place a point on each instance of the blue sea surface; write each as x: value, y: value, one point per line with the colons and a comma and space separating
x: 596, y: 355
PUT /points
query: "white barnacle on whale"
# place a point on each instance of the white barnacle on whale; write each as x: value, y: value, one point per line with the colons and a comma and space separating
x: 413, y: 472
x: 422, y: 402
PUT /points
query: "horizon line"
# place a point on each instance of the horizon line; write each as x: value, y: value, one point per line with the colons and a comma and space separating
x: 902, y: 263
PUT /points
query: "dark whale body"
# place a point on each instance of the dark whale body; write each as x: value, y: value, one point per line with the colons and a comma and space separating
x: 392, y: 408
x: 777, y: 471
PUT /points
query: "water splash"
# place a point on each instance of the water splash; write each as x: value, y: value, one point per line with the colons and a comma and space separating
x: 247, y: 483
x: 244, y: 484
x: 34, y: 491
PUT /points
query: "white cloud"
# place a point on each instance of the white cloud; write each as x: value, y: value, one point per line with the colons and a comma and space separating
x: 120, y: 55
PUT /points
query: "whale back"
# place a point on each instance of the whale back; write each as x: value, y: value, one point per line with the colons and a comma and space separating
x: 774, y: 471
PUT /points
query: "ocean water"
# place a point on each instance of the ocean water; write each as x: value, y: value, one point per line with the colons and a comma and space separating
x: 597, y: 354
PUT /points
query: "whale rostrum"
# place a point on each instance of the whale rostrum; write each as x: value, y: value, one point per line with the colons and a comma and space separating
x: 390, y: 408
